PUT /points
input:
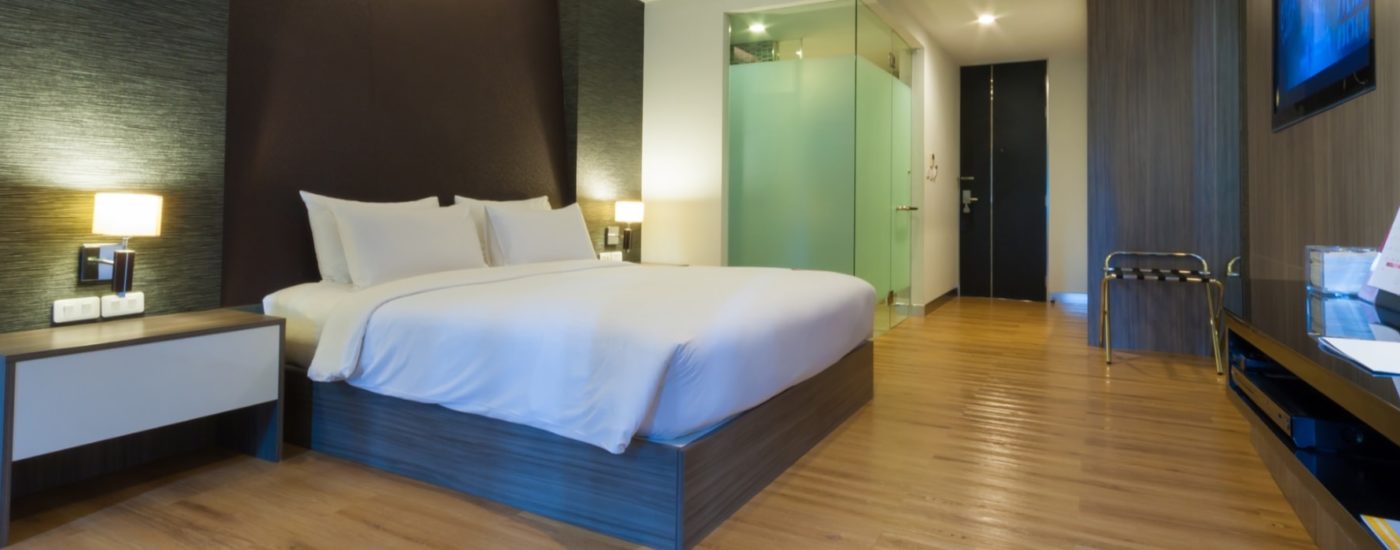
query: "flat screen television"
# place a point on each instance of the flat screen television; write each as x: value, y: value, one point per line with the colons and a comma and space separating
x: 1324, y: 55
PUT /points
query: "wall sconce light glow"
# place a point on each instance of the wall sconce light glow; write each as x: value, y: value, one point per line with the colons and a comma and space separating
x: 799, y: 54
x: 629, y: 211
x: 126, y: 215
x: 758, y: 28
x: 986, y: 19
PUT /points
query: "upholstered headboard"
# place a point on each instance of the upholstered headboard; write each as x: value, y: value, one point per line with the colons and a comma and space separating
x: 381, y: 100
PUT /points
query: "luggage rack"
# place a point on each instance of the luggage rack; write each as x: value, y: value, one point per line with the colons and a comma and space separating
x: 1197, y: 271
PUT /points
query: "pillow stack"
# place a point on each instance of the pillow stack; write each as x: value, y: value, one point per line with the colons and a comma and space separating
x: 367, y: 244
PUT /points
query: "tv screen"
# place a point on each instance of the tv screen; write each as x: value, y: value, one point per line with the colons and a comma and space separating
x: 1324, y: 54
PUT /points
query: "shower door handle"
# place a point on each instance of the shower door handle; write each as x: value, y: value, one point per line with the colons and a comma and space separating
x: 906, y: 208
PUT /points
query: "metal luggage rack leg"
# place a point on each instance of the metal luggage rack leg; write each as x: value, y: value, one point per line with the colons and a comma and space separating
x: 1215, y: 291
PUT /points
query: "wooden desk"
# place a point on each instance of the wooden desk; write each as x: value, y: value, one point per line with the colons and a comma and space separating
x: 1284, y: 383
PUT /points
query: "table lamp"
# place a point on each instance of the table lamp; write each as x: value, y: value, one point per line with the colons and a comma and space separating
x: 125, y: 215
x: 628, y: 212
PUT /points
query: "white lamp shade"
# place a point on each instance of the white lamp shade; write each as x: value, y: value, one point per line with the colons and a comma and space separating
x: 126, y: 215
x: 629, y: 211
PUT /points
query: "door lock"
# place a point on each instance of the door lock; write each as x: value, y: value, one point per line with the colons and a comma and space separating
x: 967, y: 200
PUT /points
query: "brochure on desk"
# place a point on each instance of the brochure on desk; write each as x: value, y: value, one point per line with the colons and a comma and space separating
x: 1385, y: 275
x: 1378, y: 356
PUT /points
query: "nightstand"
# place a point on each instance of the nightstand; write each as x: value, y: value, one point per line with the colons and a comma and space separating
x: 86, y: 400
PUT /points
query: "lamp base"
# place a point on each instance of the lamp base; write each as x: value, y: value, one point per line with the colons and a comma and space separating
x: 123, y: 269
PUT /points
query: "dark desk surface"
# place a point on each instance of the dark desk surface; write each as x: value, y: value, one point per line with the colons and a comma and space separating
x: 34, y: 344
x: 1278, y: 311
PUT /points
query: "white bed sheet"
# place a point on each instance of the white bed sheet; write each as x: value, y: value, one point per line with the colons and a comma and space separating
x: 596, y: 351
x: 306, y: 308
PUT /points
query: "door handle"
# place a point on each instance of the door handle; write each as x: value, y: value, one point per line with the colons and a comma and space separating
x: 967, y: 200
x: 906, y: 208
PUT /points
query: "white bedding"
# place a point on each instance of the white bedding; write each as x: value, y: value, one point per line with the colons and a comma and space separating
x: 305, y: 308
x: 592, y: 350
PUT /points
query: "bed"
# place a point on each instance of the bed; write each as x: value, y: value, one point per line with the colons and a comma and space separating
x: 486, y: 381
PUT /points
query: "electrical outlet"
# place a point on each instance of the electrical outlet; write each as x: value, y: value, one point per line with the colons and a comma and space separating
x: 73, y: 310
x: 134, y: 303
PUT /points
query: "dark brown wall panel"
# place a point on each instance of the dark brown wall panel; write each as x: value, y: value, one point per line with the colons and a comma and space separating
x: 382, y: 100
x: 109, y: 96
x: 1333, y: 179
x: 1164, y: 161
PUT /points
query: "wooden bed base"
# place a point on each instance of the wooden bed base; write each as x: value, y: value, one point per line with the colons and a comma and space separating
x: 659, y: 495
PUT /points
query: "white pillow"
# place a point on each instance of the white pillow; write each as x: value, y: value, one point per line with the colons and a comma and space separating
x: 325, y: 236
x: 477, y: 208
x: 528, y: 236
x: 385, y: 244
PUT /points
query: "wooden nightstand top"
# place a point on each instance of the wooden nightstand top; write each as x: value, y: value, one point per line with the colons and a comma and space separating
x: 34, y: 344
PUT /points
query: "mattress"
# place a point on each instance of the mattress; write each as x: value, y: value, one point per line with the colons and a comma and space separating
x: 600, y: 352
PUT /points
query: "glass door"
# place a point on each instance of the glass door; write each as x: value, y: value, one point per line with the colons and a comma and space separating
x: 902, y: 199
x: 884, y: 154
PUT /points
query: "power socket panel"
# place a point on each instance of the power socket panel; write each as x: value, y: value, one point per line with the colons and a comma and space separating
x: 75, y: 310
x: 134, y: 303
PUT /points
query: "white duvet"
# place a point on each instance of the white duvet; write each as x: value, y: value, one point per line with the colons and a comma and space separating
x: 596, y: 351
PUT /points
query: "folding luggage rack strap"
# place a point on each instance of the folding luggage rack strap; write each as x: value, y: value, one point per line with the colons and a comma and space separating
x: 1189, y: 268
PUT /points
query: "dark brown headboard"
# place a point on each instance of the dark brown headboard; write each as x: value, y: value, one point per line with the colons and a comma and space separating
x: 381, y: 100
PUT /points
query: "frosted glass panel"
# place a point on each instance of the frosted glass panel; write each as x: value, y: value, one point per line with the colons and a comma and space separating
x: 874, y: 205
x: 819, y: 150
x: 791, y: 156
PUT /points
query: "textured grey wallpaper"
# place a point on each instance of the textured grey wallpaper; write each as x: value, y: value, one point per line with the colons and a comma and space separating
x: 110, y: 96
x: 602, y: 43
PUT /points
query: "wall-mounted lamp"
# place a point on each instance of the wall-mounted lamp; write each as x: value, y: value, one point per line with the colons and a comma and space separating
x: 628, y: 212
x: 124, y: 215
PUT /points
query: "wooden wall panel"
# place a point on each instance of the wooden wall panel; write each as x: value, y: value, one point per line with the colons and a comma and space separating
x: 382, y: 100
x: 109, y: 96
x: 1332, y: 179
x: 1164, y: 161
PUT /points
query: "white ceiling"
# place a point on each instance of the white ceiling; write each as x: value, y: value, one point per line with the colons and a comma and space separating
x: 1024, y: 30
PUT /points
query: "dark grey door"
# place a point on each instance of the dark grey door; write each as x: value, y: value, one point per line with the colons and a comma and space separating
x: 1004, y: 181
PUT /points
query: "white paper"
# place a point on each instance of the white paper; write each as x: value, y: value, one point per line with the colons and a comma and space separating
x: 1378, y: 357
x: 1386, y: 275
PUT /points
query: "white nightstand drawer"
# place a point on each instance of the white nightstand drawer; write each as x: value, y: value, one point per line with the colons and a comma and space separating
x: 70, y: 400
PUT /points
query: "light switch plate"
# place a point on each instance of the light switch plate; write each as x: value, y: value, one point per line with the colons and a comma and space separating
x: 612, y: 235
x: 134, y: 303
x: 73, y: 310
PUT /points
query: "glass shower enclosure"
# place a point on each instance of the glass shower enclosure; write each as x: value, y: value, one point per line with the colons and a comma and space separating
x: 819, y: 146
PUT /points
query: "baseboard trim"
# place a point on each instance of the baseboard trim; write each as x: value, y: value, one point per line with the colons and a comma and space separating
x: 1076, y: 298
x: 940, y: 301
x: 925, y: 309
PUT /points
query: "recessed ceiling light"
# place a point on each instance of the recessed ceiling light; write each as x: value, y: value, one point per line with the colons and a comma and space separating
x: 986, y: 19
x: 758, y: 28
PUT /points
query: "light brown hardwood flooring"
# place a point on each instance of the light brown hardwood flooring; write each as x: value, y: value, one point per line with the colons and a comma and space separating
x: 993, y: 426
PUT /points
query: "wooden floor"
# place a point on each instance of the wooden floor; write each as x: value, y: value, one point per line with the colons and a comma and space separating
x: 993, y: 426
